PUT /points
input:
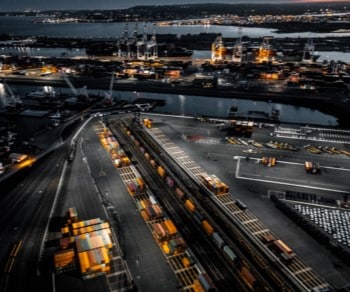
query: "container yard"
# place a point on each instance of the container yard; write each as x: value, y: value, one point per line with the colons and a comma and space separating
x: 87, y: 247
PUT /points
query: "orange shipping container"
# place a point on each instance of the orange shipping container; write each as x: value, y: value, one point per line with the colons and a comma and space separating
x: 283, y: 247
x: 170, y: 227
x: 186, y: 262
x: 190, y: 206
x: 161, y: 171
x: 197, y: 287
x: 64, y: 258
x: 207, y: 227
x: 247, y: 277
x: 144, y: 215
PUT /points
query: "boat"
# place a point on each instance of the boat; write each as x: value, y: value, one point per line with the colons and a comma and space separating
x: 55, y: 116
x: 233, y: 110
x: 44, y: 93
x: 256, y: 115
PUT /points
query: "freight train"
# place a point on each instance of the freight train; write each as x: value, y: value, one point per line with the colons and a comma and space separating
x: 217, y: 187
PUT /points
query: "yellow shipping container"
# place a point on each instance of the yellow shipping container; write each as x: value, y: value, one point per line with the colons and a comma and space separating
x: 84, y: 261
x: 65, y: 230
x: 166, y: 248
x: 105, y: 255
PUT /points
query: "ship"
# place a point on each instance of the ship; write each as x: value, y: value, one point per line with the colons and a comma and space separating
x: 255, y: 115
x: 175, y: 53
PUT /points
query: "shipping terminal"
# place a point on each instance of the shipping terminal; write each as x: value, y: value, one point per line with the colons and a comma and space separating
x: 127, y: 195
x: 207, y: 228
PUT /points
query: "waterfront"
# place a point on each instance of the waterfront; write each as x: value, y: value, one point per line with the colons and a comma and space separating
x: 211, y: 106
x: 81, y: 53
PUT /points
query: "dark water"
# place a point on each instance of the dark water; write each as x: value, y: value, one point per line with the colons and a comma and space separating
x: 210, y: 106
x: 25, y: 27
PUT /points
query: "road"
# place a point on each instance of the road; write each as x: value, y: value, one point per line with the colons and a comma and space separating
x: 24, y: 212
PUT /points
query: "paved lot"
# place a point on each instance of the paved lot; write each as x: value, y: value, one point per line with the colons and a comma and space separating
x: 254, y: 194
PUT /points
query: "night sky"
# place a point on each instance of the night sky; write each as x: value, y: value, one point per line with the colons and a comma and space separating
x: 20, y: 5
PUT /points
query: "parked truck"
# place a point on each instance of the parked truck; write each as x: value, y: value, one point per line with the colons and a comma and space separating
x: 312, y: 167
x: 269, y: 161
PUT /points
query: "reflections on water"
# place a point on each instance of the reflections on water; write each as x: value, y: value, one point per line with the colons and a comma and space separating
x: 211, y: 106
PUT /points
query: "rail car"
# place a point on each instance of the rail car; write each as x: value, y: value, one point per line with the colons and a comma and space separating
x: 240, y: 204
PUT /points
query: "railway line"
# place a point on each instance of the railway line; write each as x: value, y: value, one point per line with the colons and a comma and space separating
x: 236, y: 260
x: 262, y: 253
x: 201, y: 247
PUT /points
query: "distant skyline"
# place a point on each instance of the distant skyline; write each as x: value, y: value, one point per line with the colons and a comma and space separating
x: 21, y: 5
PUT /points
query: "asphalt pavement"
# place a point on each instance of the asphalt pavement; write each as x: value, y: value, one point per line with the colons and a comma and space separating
x: 217, y: 158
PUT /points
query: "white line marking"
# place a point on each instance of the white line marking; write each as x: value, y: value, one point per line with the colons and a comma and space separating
x: 286, y: 183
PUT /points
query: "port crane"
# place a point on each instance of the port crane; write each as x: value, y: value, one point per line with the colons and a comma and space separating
x: 82, y: 94
x: 9, y: 100
x: 308, y: 52
x: 108, y: 100
x: 238, y: 48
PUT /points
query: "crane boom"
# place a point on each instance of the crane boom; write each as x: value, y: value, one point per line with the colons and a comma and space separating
x: 71, y: 86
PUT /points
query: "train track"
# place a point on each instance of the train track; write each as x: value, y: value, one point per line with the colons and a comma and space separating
x: 295, y: 271
x: 204, y: 250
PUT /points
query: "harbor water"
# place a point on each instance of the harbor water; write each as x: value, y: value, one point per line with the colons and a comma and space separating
x: 210, y: 106
x: 24, y: 26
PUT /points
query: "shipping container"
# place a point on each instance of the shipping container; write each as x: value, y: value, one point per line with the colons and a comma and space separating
x: 64, y: 258
x: 161, y: 171
x: 248, y: 277
x: 206, y: 282
x: 152, y: 200
x: 170, y: 182
x: 240, y: 204
x: 218, y: 240
x: 157, y: 210
x: 230, y: 254
x: 171, y: 228
x: 207, y: 227
x: 179, y: 193
x: 186, y: 262
x: 166, y: 249
x: 144, y: 215
x: 150, y: 211
x: 198, y: 217
x: 281, y: 246
x: 197, y: 287
x: 153, y: 163
x: 268, y: 239
x: 190, y: 206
